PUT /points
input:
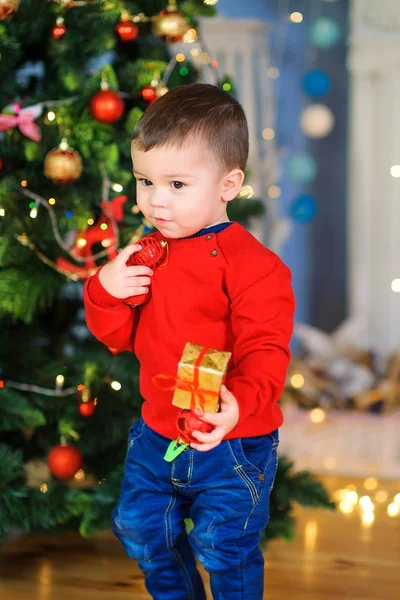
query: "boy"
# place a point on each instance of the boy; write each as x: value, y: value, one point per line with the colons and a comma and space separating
x: 222, y: 289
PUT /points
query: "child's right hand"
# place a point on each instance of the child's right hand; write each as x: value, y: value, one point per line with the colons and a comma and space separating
x: 121, y: 281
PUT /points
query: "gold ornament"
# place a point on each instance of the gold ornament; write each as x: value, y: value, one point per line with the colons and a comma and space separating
x: 8, y: 8
x: 63, y: 164
x: 170, y: 25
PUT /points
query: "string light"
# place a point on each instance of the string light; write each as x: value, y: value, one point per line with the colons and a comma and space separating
x: 51, y: 115
x: 367, y: 518
x: 80, y: 475
x: 273, y: 73
x: 34, y: 212
x: 52, y: 201
x: 381, y: 496
x: 371, y: 483
x: 24, y: 183
x: 210, y: 2
x: 2, y: 211
x: 59, y: 382
x: 268, y: 133
x: 117, y: 187
x: 116, y: 385
x: 297, y: 380
x: 43, y: 488
x: 318, y: 415
x: 81, y: 242
x: 296, y: 17
x: 395, y: 285
x: 393, y: 509
x: 395, y: 171
x: 104, y: 226
x: 90, y: 221
x: 397, y: 499
x: 180, y: 57
x: 227, y: 87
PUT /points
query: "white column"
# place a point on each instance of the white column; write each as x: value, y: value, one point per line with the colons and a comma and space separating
x: 374, y: 195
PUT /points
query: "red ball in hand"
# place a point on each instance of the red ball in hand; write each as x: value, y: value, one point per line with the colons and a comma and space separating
x: 151, y: 255
x: 188, y: 422
x: 64, y: 461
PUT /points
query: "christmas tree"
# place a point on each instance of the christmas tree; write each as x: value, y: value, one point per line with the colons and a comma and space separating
x: 76, y: 76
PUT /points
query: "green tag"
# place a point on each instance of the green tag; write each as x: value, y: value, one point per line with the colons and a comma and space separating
x: 174, y: 450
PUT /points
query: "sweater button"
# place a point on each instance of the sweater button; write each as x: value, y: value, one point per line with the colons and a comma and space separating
x: 214, y: 252
x: 209, y: 237
x: 261, y: 477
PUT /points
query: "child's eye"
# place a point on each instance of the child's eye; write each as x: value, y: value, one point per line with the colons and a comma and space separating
x: 145, y: 182
x: 177, y: 185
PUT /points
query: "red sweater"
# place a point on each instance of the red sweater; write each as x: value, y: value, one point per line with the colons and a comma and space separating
x: 224, y: 291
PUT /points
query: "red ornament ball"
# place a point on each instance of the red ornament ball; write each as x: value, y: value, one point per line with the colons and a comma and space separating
x: 107, y: 106
x: 149, y: 93
x: 151, y: 255
x: 59, y: 29
x: 187, y: 422
x: 127, y: 30
x: 86, y: 409
x: 64, y: 461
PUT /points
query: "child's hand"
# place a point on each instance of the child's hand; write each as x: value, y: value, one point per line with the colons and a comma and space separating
x: 224, y: 422
x: 121, y: 281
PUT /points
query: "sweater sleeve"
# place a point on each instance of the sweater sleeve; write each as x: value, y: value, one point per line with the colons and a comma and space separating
x: 110, y: 320
x: 262, y: 305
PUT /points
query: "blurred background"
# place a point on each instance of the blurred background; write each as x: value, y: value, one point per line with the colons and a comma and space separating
x: 319, y: 81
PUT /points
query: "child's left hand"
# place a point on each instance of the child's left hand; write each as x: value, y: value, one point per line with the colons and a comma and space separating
x: 224, y: 422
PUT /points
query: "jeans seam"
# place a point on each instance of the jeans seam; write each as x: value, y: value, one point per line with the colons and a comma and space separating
x: 244, y: 477
x: 171, y: 548
x: 190, y: 472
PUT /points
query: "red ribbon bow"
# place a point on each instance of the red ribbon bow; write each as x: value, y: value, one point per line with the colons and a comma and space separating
x: 187, y: 386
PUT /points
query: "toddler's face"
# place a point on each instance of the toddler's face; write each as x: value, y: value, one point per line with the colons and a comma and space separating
x: 180, y: 190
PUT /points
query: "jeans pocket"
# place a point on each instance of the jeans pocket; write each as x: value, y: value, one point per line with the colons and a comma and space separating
x: 135, y: 431
x: 257, y: 451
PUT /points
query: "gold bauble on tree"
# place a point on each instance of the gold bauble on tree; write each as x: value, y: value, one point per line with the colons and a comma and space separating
x: 63, y: 164
x: 170, y: 25
x: 8, y: 8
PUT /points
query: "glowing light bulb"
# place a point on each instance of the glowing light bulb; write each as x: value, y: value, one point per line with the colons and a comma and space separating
x: 268, y: 133
x: 90, y: 221
x: 297, y: 380
x: 395, y: 285
x: 81, y: 242
x: 33, y: 213
x: 180, y: 57
x: 395, y: 171
x: 116, y: 385
x: 2, y: 211
x: 393, y: 509
x: 51, y: 115
x: 365, y: 503
x: 367, y: 518
x: 296, y: 17
x: 397, y: 499
x: 52, y: 201
x: 371, y: 483
x: 117, y: 187
x: 318, y: 415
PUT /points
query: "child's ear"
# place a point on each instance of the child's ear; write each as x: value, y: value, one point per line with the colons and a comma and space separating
x: 231, y: 184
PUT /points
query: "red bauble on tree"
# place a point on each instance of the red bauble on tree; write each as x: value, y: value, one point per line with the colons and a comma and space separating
x: 126, y: 30
x: 149, y: 93
x: 86, y: 409
x: 59, y: 29
x: 64, y: 461
x: 107, y: 106
x: 187, y: 422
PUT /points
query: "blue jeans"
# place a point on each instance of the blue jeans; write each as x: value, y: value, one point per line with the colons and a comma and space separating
x: 224, y: 491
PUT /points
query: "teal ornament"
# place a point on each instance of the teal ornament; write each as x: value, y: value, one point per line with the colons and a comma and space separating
x: 304, y: 208
x: 301, y: 167
x: 324, y: 33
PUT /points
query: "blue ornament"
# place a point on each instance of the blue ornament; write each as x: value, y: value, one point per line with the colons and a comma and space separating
x: 304, y: 208
x: 146, y: 229
x: 301, y: 167
x: 316, y: 83
x: 324, y: 33
x: 68, y: 214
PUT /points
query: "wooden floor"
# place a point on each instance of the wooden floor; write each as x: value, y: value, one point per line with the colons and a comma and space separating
x: 335, y: 556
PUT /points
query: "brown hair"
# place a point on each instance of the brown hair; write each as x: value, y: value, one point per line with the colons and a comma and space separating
x: 197, y: 109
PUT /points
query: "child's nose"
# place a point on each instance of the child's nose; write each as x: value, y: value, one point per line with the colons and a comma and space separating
x: 157, y: 199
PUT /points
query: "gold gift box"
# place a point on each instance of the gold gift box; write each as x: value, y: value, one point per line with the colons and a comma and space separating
x: 201, y: 372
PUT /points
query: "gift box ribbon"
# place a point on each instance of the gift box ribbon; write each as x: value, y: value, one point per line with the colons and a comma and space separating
x: 187, y: 386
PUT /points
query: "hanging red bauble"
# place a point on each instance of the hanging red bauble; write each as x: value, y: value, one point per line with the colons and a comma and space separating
x: 151, y: 255
x: 149, y: 93
x: 63, y: 164
x: 107, y: 106
x: 127, y: 30
x: 187, y: 422
x: 170, y: 25
x: 8, y: 8
x: 64, y: 461
x: 86, y: 409
x: 59, y: 29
